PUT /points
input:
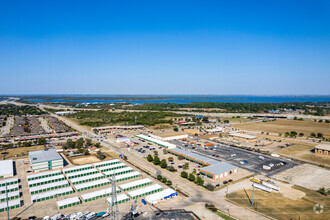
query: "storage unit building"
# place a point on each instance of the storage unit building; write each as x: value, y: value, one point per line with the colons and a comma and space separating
x: 91, y: 185
x: 44, y: 175
x: 135, y: 184
x: 11, y: 196
x: 82, y: 173
x: 128, y: 176
x: 97, y: 194
x: 112, y: 167
x: 45, y: 160
x: 48, y: 187
x: 121, y: 198
x: 69, y: 202
x: 218, y: 170
x: 118, y: 171
x: 6, y: 168
x: 106, y: 163
x: 78, y: 168
x: 85, y: 179
x: 51, y: 194
x: 145, y: 191
x: 10, y: 181
x: 163, y: 195
x: 12, y: 204
x: 10, y: 188
x: 47, y: 180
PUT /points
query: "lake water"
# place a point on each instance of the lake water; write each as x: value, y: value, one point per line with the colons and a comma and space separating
x: 189, y: 99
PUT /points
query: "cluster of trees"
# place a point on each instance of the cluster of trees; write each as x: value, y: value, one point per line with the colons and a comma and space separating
x: 40, y: 141
x: 80, y: 145
x: 199, y: 181
x: 101, y: 155
x: 103, y: 117
x: 318, y: 135
x: 162, y: 163
x: 323, y: 191
x: 164, y: 180
x: 292, y: 134
x: 20, y: 110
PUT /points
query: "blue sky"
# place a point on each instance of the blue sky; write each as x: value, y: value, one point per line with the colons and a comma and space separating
x: 165, y: 47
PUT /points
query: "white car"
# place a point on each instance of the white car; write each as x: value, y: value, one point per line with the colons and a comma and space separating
x: 241, y: 162
x: 271, y: 164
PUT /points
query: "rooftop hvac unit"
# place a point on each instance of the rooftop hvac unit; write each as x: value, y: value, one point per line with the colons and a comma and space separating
x: 262, y: 187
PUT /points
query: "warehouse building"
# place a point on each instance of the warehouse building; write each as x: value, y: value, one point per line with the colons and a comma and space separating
x: 91, y: 185
x: 118, y: 171
x: 135, y: 184
x: 85, y: 179
x: 12, y: 204
x: 51, y: 194
x: 10, y: 181
x: 145, y: 191
x: 10, y: 188
x: 128, y: 176
x: 193, y: 157
x: 97, y: 194
x: 9, y: 195
x: 82, y: 173
x: 156, y: 141
x: 116, y: 128
x: 106, y: 163
x: 48, y: 187
x: 6, y: 168
x: 218, y: 170
x: 45, y: 160
x: 121, y: 198
x: 160, y: 196
x: 45, y: 181
x: 322, y: 149
x: 44, y: 175
x: 78, y: 168
x: 112, y: 167
x: 69, y: 202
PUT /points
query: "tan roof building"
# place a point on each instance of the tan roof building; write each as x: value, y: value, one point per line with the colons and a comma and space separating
x: 322, y: 149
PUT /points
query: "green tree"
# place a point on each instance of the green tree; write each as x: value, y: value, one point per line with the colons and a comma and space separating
x: 87, y: 152
x: 180, y: 157
x: 79, y: 143
x: 159, y: 177
x: 199, y: 181
x: 184, y: 174
x: 185, y: 166
x: 71, y: 144
x: 205, y: 119
x: 301, y: 134
x: 164, y: 151
x: 164, y: 180
x: 175, y: 129
x: 156, y: 160
x: 192, y: 177
x: 88, y: 142
x: 169, y: 182
x: 319, y: 135
x: 150, y: 158
x: 226, y: 121
x: 42, y: 141
x: 163, y: 164
x: 170, y: 159
x: 209, y: 186
x: 313, y: 135
x: 98, y: 145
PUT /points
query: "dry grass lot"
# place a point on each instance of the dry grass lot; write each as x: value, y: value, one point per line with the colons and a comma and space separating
x: 21, y: 152
x: 280, y: 207
x: 296, y: 149
x: 284, y: 125
x: 316, y: 158
x: 81, y: 160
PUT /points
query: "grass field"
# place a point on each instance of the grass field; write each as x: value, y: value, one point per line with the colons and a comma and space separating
x: 316, y: 158
x: 284, y: 125
x: 81, y: 160
x: 296, y: 149
x: 276, y: 205
x: 21, y: 152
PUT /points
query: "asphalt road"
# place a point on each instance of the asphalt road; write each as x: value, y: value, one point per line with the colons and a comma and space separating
x: 234, y: 155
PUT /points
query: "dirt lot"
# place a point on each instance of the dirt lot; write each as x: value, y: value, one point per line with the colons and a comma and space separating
x: 296, y: 149
x: 280, y: 207
x: 306, y: 175
x: 81, y: 160
x: 21, y: 152
x: 284, y: 125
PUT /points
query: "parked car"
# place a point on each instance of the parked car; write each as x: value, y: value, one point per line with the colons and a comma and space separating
x: 230, y: 180
x: 245, y: 161
x: 261, y: 158
x: 225, y: 182
x: 144, y: 202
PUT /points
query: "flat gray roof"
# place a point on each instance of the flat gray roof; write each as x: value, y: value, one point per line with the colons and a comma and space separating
x: 44, y: 155
x: 195, y: 156
x: 219, y: 168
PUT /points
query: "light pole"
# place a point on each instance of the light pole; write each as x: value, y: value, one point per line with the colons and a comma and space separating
x: 252, y: 188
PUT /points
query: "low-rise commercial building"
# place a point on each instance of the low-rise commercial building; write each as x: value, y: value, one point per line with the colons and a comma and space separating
x: 6, y: 168
x: 45, y: 160
x: 121, y: 198
x: 51, y: 194
x: 145, y: 191
x: 218, y: 170
x: 156, y: 141
x: 160, y: 196
x: 322, y: 149
x: 97, y: 194
x: 69, y: 202
x: 135, y: 184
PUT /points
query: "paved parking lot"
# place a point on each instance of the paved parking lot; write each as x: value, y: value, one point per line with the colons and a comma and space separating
x: 235, y: 155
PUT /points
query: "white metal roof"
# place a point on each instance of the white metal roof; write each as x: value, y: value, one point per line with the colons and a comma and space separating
x: 160, y: 195
x: 10, y: 194
x: 68, y: 201
x: 120, y: 197
x: 144, y: 190
x: 71, y: 175
x: 111, y: 166
x: 159, y: 142
x: 106, y: 162
x: 77, y: 167
x: 43, y: 174
x: 6, y: 167
x: 97, y: 193
x: 47, y: 186
x: 51, y: 193
x: 117, y: 171
x: 8, y: 180
x: 45, y: 179
x: 13, y: 186
x: 241, y: 135
x: 125, y: 175
x: 92, y: 183
x: 323, y: 147
x: 44, y: 156
x: 135, y: 183
x: 83, y: 178
x: 10, y: 203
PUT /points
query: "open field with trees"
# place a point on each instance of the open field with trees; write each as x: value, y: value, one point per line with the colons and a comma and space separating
x: 21, y: 152
x: 20, y: 110
x: 102, y: 118
x: 281, y: 126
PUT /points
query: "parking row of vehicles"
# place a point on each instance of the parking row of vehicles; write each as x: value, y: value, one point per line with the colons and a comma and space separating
x: 77, y: 216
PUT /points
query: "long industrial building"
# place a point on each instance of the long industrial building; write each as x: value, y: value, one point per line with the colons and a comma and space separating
x: 85, y: 179
x: 118, y: 171
x: 112, y: 167
x: 145, y: 191
x: 44, y: 175
x: 121, y: 198
x: 106, y: 163
x: 12, y: 204
x: 69, y: 202
x: 156, y: 141
x: 45, y: 160
x: 128, y: 176
x: 77, y: 168
x: 8, y: 182
x: 135, y: 184
x: 97, y: 194
x: 39, y: 182
x: 48, y: 187
x: 51, y: 194
x: 162, y: 195
x: 91, y: 185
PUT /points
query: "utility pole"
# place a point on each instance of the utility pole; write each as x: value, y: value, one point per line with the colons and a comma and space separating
x: 252, y: 189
